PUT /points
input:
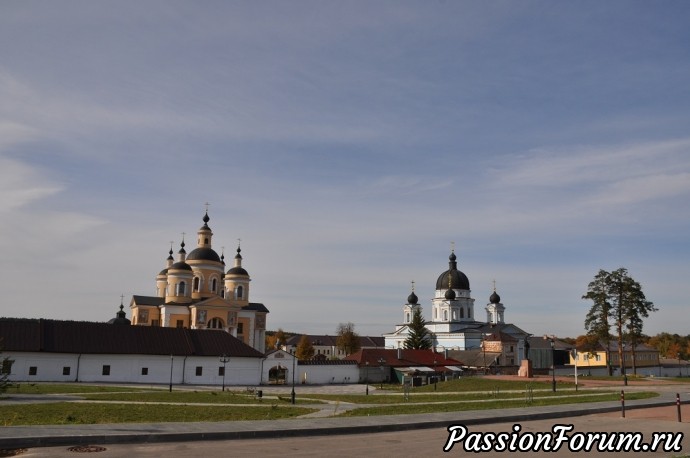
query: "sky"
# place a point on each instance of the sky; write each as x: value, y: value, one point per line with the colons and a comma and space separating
x: 347, y: 144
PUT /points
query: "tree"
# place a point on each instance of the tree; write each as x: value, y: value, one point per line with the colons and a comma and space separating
x: 281, y: 338
x: 618, y: 302
x: 305, y: 350
x: 419, y: 337
x: 5, y: 370
x: 347, y: 340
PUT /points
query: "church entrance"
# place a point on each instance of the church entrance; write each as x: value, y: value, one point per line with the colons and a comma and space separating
x: 277, y: 375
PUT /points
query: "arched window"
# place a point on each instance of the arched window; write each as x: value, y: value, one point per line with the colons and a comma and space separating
x: 239, y: 292
x: 445, y: 315
x: 462, y: 313
x: 181, y: 288
x: 214, y: 283
x: 215, y: 323
x: 196, y: 284
x: 222, y: 293
x: 407, y: 317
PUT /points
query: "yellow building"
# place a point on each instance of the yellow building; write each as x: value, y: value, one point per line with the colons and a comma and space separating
x: 196, y: 292
x: 601, y: 356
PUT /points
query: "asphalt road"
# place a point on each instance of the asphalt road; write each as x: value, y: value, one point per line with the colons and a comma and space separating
x: 422, y: 442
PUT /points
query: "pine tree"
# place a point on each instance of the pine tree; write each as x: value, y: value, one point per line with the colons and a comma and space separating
x: 618, y: 302
x: 419, y: 337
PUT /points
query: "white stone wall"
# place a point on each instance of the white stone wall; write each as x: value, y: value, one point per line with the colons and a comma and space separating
x: 128, y: 369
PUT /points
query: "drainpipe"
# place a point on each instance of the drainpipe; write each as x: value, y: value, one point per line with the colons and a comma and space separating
x: 184, y: 365
x: 76, y: 379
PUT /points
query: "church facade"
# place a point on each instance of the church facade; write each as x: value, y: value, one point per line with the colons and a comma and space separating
x: 453, y: 324
x: 195, y: 291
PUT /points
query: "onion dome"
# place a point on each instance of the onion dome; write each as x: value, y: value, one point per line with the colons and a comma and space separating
x: 494, y: 298
x: 450, y: 294
x: 203, y: 254
x: 238, y: 269
x: 205, y: 219
x: 412, y: 299
x: 120, y: 317
x: 181, y: 265
x: 457, y: 280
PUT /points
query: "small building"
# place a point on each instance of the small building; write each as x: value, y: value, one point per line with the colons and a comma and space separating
x: 280, y: 365
x: 601, y: 356
x: 389, y: 365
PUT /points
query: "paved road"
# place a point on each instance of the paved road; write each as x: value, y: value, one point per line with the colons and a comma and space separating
x: 424, y: 442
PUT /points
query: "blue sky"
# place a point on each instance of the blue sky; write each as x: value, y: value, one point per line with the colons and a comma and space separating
x: 347, y: 144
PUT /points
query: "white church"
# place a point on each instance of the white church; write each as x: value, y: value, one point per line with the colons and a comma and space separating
x: 453, y: 324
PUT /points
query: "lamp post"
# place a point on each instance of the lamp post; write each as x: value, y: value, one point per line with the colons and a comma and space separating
x: 171, y: 371
x: 224, y: 359
x: 381, y: 363
x: 435, y: 375
x: 484, y: 351
x: 366, y: 376
x: 292, y: 393
x: 553, y: 361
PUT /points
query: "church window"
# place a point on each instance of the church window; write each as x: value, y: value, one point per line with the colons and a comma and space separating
x: 215, y: 323
x: 240, y: 328
x: 239, y: 292
x: 196, y: 284
x: 199, y: 371
x: 106, y: 369
x: 181, y: 287
x: 455, y: 314
x: 407, y: 317
x: 33, y: 370
x: 206, y: 241
x: 222, y: 293
x: 214, y: 284
x: 66, y: 370
x: 462, y: 313
x: 445, y: 315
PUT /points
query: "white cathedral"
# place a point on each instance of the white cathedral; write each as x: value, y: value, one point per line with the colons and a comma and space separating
x: 453, y: 324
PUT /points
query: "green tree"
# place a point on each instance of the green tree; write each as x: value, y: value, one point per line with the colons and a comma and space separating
x: 5, y: 370
x: 347, y: 340
x: 419, y: 337
x: 305, y: 350
x: 619, y: 302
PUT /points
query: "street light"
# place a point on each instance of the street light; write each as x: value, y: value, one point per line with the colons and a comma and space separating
x: 435, y: 375
x: 292, y: 394
x: 381, y: 363
x: 171, y: 371
x: 224, y: 359
x: 366, y: 376
x: 553, y: 361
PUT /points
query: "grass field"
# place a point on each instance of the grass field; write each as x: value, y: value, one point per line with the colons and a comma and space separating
x: 206, y: 397
x: 65, y: 413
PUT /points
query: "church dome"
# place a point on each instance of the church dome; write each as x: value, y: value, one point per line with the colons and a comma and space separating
x: 495, y: 298
x: 457, y: 280
x: 412, y: 299
x: 450, y: 295
x: 181, y: 266
x: 203, y: 254
x: 238, y: 271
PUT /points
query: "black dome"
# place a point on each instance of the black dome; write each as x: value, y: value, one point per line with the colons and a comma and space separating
x: 163, y: 272
x: 458, y: 280
x: 450, y: 295
x: 203, y: 254
x: 238, y: 271
x: 181, y: 266
x: 495, y: 298
x: 412, y: 299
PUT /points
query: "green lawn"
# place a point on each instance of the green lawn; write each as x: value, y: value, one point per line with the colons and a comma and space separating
x: 206, y: 397
x: 65, y: 413
x: 498, y: 404
x: 70, y: 388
